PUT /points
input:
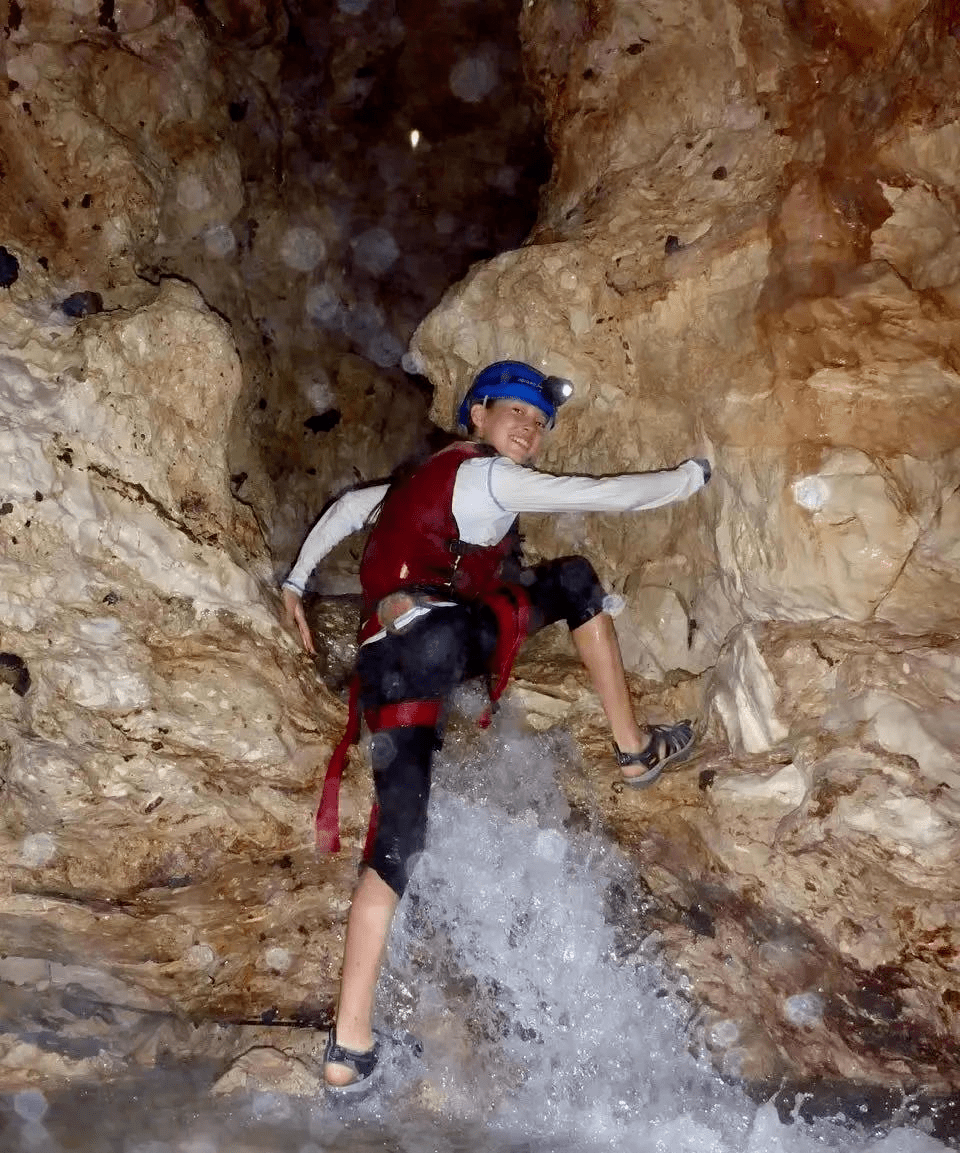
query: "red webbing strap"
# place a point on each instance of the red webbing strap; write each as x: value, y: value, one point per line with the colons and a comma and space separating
x: 327, y: 821
x: 511, y: 606
x: 405, y: 715
x: 328, y: 811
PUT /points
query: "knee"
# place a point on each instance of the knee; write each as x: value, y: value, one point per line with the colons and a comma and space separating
x: 577, y: 575
x: 582, y: 592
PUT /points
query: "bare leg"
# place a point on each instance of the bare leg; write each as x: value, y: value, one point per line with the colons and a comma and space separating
x: 368, y: 926
x: 599, y: 649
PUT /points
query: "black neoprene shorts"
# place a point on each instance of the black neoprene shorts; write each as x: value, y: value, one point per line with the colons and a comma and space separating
x: 427, y: 661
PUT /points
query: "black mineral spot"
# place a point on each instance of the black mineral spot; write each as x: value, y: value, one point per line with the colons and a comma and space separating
x: 261, y: 404
x: 237, y: 110
x: 699, y: 920
x: 12, y: 85
x: 588, y: 74
x: 880, y: 1006
x: 65, y: 202
x: 719, y: 173
x: 323, y: 421
x: 38, y: 496
x: 80, y: 304
x: 672, y: 244
x: 111, y: 598
x: 706, y: 779
x: 43, y: 262
x: 105, y: 19
x: 9, y: 268
x: 154, y: 804
x: 5, y: 508
x: 285, y: 862
x: 15, y: 18
x: 237, y: 479
x: 636, y: 47
x: 14, y: 672
x: 86, y: 201
x: 268, y: 1016
x: 66, y: 456
x: 25, y: 105
x: 156, y: 746
x: 311, y: 472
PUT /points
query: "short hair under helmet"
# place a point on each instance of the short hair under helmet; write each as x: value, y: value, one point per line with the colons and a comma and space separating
x: 517, y: 381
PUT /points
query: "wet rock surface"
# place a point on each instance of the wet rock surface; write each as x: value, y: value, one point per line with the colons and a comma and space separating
x: 806, y: 887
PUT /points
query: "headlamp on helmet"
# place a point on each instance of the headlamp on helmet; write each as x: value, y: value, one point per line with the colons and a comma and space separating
x: 514, y: 380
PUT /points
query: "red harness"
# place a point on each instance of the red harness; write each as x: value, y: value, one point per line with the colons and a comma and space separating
x: 415, y: 545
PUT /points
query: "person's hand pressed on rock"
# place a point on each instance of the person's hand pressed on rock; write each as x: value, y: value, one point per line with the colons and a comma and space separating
x: 293, y: 606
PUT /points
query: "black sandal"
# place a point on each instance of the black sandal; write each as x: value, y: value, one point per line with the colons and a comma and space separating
x: 668, y: 744
x: 362, y: 1065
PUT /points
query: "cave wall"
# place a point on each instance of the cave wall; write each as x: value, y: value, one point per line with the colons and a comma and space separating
x: 216, y: 236
x: 748, y: 250
x: 745, y: 250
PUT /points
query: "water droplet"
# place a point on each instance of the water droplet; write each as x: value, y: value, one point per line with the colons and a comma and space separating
x: 38, y: 849
x: 302, y: 249
x: 30, y: 1104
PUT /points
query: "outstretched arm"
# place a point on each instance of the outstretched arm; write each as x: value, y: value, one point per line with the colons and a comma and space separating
x: 516, y: 489
x: 345, y: 516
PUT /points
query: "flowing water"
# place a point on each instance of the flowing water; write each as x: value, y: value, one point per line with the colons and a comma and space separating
x: 523, y: 1019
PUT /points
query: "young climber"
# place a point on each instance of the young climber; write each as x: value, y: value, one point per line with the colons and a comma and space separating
x: 446, y: 598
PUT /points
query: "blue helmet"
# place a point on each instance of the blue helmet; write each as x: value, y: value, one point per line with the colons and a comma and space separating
x: 518, y: 381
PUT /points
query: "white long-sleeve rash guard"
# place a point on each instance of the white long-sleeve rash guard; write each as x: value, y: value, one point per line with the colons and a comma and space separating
x: 489, y: 492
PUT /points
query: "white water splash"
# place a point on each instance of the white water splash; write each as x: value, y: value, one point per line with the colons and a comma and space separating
x: 565, y: 1034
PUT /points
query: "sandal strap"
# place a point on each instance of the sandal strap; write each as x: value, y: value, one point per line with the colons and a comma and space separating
x: 361, y: 1063
x: 666, y: 741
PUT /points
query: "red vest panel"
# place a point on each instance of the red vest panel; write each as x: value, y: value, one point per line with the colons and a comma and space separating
x: 415, y: 544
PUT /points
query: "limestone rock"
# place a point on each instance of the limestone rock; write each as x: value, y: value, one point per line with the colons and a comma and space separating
x: 802, y: 863
x: 159, y: 768
x: 267, y: 1070
x: 786, y: 335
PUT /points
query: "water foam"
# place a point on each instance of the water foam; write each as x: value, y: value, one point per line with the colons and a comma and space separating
x: 572, y: 1036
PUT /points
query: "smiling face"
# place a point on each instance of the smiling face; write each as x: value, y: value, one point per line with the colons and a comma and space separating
x: 513, y: 427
